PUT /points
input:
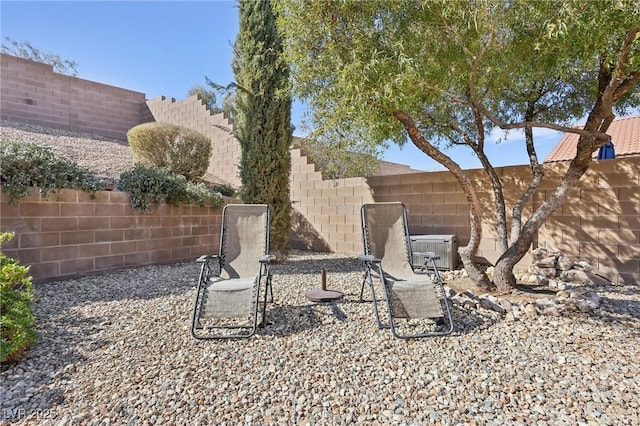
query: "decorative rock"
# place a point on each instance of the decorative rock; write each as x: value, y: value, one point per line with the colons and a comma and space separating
x: 577, y: 293
x: 565, y: 263
x: 461, y: 300
x: 582, y: 304
x: 559, y: 285
x: 487, y: 303
x: 553, y: 311
x: 583, y: 265
x: 575, y: 275
x: 449, y: 292
x: 597, y: 280
x: 547, y: 262
x: 539, y: 253
x: 544, y: 303
x: 530, y: 311
x: 508, y: 306
x: 593, y: 300
x: 546, y: 272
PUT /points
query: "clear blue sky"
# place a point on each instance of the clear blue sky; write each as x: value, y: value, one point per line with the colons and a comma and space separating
x: 165, y: 47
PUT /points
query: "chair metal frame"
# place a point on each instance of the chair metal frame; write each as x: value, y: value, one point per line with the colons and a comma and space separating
x: 374, y: 270
x: 213, y: 264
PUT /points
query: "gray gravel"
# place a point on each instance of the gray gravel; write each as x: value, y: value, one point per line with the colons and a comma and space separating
x: 116, y: 349
x: 106, y: 158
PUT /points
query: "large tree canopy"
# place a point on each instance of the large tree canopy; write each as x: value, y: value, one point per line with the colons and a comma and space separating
x: 449, y: 72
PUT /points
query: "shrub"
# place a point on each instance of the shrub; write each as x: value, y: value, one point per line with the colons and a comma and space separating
x: 224, y: 189
x: 180, y: 150
x: 17, y: 322
x: 26, y: 165
x: 147, y: 185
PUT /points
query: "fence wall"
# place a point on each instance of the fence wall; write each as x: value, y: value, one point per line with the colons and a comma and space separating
x: 599, y: 222
x: 30, y: 92
x: 600, y: 219
x: 192, y: 113
x: 326, y: 213
x: 73, y: 234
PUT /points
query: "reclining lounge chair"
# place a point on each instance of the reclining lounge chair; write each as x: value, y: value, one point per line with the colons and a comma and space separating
x: 230, y: 282
x: 416, y: 302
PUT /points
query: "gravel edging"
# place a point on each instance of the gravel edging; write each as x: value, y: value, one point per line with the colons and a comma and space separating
x: 116, y: 348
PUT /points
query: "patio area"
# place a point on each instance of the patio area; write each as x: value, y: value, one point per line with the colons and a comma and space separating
x: 116, y: 349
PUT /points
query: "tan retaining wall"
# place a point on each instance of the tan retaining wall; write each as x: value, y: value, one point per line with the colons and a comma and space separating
x: 31, y: 92
x: 599, y: 222
x: 73, y: 234
x: 192, y: 113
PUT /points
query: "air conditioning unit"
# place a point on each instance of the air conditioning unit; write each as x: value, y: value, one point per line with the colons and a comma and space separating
x: 444, y: 245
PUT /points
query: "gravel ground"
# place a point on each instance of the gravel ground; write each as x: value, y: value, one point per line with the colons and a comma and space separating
x: 106, y: 158
x: 116, y: 349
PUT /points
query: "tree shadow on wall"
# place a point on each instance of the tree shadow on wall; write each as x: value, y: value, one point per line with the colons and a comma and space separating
x: 304, y: 236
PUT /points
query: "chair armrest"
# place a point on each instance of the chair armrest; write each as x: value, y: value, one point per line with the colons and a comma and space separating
x: 267, y: 259
x: 427, y: 254
x: 369, y: 258
x: 206, y: 257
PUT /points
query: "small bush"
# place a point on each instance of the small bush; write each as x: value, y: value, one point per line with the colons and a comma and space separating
x: 147, y: 185
x: 224, y: 189
x: 17, y: 322
x: 178, y: 149
x: 26, y: 165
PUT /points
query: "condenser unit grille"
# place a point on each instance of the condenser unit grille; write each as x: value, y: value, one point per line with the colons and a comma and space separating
x: 444, y: 245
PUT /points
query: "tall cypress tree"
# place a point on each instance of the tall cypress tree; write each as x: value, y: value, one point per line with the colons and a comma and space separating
x: 262, y: 117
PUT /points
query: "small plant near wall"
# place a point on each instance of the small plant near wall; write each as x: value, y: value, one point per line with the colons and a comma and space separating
x: 224, y: 189
x: 178, y: 149
x: 26, y: 165
x: 17, y: 322
x: 148, y: 185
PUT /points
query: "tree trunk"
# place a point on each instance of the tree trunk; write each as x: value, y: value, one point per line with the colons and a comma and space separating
x: 467, y: 252
x: 598, y: 121
x: 613, y: 84
x: 499, y: 203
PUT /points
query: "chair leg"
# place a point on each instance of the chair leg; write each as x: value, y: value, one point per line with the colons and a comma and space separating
x: 436, y: 274
x: 197, y: 309
x: 270, y: 288
x: 375, y: 301
x: 364, y: 281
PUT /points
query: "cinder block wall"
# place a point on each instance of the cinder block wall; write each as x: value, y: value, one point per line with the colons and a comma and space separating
x: 326, y: 213
x: 192, y: 113
x: 73, y: 234
x: 30, y: 92
x: 599, y: 221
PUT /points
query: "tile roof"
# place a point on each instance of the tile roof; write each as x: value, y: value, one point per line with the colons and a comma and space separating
x: 625, y: 135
